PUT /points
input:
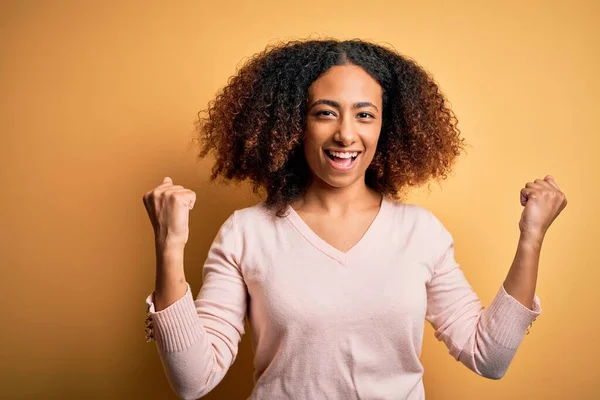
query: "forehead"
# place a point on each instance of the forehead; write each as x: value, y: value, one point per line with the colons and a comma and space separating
x: 346, y: 83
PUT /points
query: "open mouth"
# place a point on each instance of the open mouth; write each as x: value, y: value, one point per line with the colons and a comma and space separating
x: 342, y: 159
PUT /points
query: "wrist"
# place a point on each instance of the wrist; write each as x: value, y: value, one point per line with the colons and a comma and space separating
x: 531, y: 240
x: 168, y: 246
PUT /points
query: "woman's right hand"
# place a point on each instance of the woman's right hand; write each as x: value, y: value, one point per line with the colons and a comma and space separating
x: 168, y: 207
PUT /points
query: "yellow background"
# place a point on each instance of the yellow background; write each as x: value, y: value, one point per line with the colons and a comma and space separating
x: 98, y: 101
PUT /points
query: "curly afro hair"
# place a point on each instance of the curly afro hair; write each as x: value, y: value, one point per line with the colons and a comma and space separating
x: 255, y: 125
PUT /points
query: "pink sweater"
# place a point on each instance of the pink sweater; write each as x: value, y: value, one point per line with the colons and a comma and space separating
x: 332, y: 325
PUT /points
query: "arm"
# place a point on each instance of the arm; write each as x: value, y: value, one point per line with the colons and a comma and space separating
x: 171, y: 284
x: 197, y: 340
x: 486, y: 340
x: 483, y: 339
x: 543, y: 201
x: 522, y: 277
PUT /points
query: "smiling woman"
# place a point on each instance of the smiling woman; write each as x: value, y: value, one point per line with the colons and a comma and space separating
x: 272, y: 122
x: 333, y: 273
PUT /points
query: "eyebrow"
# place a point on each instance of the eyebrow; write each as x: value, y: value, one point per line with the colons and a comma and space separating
x: 335, y: 104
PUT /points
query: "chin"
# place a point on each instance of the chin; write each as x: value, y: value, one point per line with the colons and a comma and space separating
x: 340, y: 182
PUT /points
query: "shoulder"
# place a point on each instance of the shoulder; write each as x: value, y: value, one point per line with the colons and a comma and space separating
x: 254, y: 219
x: 423, y: 229
x: 246, y: 226
x: 257, y: 231
x: 255, y: 214
x: 410, y: 214
x: 417, y: 219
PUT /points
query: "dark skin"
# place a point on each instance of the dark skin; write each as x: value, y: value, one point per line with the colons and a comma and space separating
x: 344, y: 114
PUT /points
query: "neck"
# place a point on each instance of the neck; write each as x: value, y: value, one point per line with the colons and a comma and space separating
x: 325, y: 198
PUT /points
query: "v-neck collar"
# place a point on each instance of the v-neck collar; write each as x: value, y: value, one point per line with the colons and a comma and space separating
x: 328, y: 249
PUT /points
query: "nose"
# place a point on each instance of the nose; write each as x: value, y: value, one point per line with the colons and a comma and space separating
x: 346, y: 134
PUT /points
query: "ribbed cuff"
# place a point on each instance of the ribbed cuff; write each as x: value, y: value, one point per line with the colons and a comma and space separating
x: 177, y: 327
x: 506, y: 320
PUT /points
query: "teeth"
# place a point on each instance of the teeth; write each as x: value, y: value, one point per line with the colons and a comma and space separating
x: 339, y: 154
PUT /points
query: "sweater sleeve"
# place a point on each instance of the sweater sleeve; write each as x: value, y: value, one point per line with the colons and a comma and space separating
x: 197, y: 340
x: 483, y: 339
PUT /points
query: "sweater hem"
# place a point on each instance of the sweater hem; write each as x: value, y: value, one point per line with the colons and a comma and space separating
x: 177, y: 326
x: 506, y: 320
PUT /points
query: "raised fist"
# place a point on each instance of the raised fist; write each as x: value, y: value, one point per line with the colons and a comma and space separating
x: 168, y: 207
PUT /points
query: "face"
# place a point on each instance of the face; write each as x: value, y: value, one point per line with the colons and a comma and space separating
x: 343, y: 124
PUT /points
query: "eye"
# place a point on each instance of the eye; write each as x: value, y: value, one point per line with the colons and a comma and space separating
x: 366, y: 114
x: 324, y: 111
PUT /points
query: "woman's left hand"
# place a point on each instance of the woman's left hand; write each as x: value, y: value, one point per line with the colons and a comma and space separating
x: 543, y: 201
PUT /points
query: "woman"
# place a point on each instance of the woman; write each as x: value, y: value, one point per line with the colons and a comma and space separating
x: 335, y: 274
